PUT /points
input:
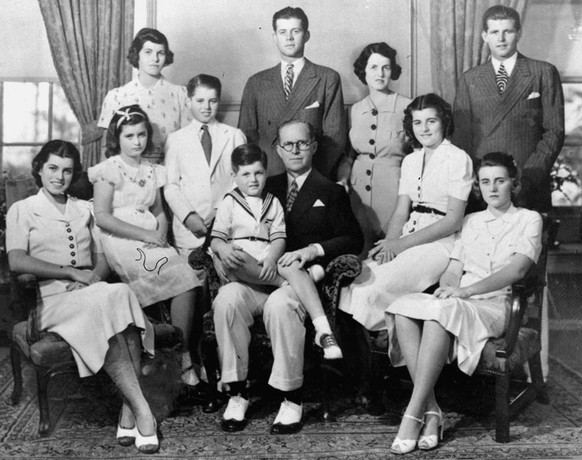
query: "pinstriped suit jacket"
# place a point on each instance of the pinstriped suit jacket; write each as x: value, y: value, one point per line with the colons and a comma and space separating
x: 264, y: 108
x: 526, y: 121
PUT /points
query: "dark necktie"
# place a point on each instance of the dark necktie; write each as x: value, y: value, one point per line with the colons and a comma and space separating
x: 288, y: 80
x: 501, y: 78
x: 206, y: 142
x: 293, y: 191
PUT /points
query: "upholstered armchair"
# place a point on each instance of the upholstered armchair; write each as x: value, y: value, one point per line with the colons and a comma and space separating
x: 339, y: 272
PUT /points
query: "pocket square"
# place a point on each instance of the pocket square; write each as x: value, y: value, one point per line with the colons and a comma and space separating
x: 315, y: 105
x: 533, y: 95
x: 318, y: 204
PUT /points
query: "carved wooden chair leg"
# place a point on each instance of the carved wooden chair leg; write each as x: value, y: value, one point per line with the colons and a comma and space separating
x: 42, y: 378
x: 502, y: 408
x: 326, y: 380
x: 16, y: 362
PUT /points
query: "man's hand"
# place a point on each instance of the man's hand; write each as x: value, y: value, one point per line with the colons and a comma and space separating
x: 269, y: 270
x: 301, y: 255
x: 231, y: 256
x: 196, y: 225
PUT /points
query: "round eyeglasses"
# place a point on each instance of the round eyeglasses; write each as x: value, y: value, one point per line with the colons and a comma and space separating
x: 301, y: 145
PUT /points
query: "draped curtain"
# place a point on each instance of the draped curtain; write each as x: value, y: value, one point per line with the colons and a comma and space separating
x: 89, y: 40
x: 456, y: 43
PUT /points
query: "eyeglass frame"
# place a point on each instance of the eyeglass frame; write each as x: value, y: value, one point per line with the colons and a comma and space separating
x: 293, y: 144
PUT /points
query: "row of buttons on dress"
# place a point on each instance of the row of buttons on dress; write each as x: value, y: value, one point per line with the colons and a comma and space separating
x: 71, y: 245
x: 371, y: 155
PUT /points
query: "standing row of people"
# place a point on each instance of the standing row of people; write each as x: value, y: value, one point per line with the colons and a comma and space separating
x: 410, y: 208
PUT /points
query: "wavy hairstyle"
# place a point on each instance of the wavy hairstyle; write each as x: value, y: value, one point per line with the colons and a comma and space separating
x: 428, y: 101
x: 148, y: 35
x: 503, y: 160
x: 127, y: 115
x: 60, y: 148
x: 382, y: 49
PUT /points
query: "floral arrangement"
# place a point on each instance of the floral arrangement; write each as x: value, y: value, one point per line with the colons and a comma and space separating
x: 566, y: 189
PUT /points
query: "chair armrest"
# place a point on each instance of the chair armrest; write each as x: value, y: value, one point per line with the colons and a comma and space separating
x: 340, y: 272
x: 199, y: 259
x: 517, y: 310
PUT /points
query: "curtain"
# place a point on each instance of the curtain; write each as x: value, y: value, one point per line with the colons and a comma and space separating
x: 456, y: 43
x: 89, y: 40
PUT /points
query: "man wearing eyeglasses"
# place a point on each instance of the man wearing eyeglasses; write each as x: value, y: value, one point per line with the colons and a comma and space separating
x: 320, y: 226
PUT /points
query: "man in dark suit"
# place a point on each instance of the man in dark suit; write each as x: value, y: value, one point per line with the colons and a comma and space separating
x: 320, y: 226
x: 295, y: 89
x: 512, y: 104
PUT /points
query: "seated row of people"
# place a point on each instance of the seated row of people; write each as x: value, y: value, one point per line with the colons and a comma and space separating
x: 267, y: 232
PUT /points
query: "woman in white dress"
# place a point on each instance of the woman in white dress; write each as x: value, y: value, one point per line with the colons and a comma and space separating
x: 52, y: 236
x: 128, y: 209
x: 164, y: 102
x: 434, y: 185
x: 495, y: 249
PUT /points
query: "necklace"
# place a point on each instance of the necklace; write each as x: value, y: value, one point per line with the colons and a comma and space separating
x: 142, y: 181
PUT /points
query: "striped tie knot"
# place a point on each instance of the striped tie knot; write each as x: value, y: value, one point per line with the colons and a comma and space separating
x: 288, y: 80
x: 501, y: 78
x: 291, y: 195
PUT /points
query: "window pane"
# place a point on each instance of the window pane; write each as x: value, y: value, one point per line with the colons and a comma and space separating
x: 16, y: 161
x: 65, y: 124
x: 25, y: 112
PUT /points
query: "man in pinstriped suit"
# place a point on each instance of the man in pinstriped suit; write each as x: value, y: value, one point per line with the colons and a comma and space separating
x: 512, y: 104
x: 305, y: 91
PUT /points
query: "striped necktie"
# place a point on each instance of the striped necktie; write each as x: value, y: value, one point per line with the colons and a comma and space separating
x: 206, y: 142
x: 288, y: 80
x: 293, y: 191
x: 501, y: 78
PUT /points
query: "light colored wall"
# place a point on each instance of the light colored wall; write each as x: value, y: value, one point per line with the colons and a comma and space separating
x: 233, y: 40
x: 25, y: 49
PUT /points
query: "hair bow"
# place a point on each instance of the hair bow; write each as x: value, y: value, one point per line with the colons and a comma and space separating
x: 125, y: 116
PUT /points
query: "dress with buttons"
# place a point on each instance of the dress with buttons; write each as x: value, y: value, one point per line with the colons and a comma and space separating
x: 376, y: 136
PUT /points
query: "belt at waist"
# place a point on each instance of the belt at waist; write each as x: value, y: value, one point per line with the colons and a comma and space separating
x: 427, y: 210
x: 252, y: 238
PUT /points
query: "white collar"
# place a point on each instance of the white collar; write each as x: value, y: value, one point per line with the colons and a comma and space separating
x: 508, y: 63
x: 297, y: 68
x: 300, y: 180
x: 508, y: 216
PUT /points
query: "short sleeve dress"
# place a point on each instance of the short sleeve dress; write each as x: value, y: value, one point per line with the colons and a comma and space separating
x: 85, y: 318
x: 448, y: 173
x: 376, y: 136
x: 164, y: 103
x: 154, y: 274
x: 485, y: 246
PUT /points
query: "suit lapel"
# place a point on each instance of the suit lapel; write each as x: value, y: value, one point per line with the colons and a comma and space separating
x: 303, y: 87
x: 218, y: 146
x: 518, y: 84
x: 487, y: 87
x: 274, y: 89
x: 306, y: 196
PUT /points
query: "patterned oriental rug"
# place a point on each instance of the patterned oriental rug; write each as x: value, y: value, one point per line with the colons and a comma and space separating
x: 86, y: 417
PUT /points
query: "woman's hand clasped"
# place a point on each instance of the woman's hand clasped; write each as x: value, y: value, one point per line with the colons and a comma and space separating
x: 446, y: 292
x: 154, y: 239
x: 385, y: 250
x: 82, y: 278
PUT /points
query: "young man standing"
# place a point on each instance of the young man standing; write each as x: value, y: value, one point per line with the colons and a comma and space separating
x: 295, y: 89
x: 512, y: 104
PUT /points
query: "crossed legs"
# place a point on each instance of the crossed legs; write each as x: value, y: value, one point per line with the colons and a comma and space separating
x: 123, y: 365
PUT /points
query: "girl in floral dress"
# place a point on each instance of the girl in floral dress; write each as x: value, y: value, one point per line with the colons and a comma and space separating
x: 128, y: 209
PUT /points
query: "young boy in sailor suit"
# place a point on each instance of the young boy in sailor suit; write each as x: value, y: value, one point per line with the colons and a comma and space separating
x: 248, y: 237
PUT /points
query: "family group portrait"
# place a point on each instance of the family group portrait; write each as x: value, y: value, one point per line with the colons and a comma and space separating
x: 344, y: 229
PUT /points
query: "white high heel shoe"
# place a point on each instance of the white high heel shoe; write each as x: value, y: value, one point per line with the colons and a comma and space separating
x: 147, y: 444
x: 126, y: 436
x: 429, y: 442
x: 404, y: 446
